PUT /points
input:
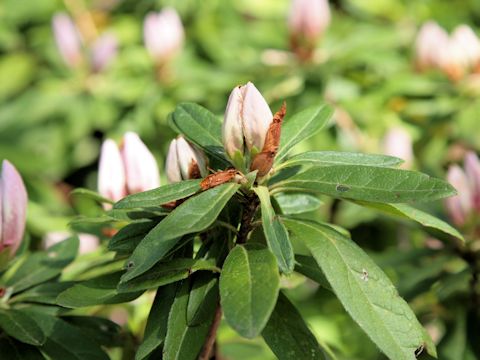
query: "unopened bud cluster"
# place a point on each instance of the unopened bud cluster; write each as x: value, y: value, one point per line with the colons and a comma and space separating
x: 456, y: 55
x: 465, y: 206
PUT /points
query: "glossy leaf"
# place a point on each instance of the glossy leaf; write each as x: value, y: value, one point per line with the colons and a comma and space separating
x: 14, y: 350
x: 167, y: 272
x: 301, y: 126
x: 329, y: 158
x: 408, y: 212
x: 292, y: 203
x: 97, y: 291
x: 369, y: 183
x: 275, y: 233
x: 288, y: 335
x: 194, y: 215
x: 203, y: 298
x: 364, y: 290
x: 44, y: 293
x: 159, y: 196
x: 249, y: 285
x: 103, y: 331
x: 20, y: 326
x: 128, y: 237
x: 42, y: 266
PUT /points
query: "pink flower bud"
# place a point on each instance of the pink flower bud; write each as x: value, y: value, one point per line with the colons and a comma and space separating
x: 431, y: 39
x: 472, y: 168
x: 163, y: 34
x: 453, y: 59
x: 68, y: 39
x: 460, y: 205
x: 141, y: 168
x: 309, y: 18
x: 468, y: 41
x: 398, y: 142
x: 247, y: 119
x: 13, y: 208
x: 104, y: 50
x: 111, y: 172
x: 184, y: 161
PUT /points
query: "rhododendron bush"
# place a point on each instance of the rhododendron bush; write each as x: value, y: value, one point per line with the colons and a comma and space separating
x: 288, y: 179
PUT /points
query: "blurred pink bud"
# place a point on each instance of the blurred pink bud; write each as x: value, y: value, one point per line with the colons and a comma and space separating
x: 111, y: 172
x: 13, y: 208
x: 163, y: 34
x: 460, y: 205
x: 309, y: 18
x: 184, y: 161
x: 68, y: 39
x: 468, y: 41
x: 398, y: 142
x: 104, y: 50
x: 247, y: 118
x: 472, y: 168
x: 141, y: 168
x: 88, y: 242
x: 431, y: 40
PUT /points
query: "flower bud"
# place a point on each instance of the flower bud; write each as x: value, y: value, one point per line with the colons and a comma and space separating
x: 460, y: 205
x: 141, y: 169
x: 472, y: 168
x: 468, y: 41
x: 428, y: 46
x: 184, y: 161
x: 398, y: 142
x: 163, y: 34
x: 68, y: 39
x: 246, y: 121
x: 111, y: 172
x: 13, y: 208
x: 104, y: 50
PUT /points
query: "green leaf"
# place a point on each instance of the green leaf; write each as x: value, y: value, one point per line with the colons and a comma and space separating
x: 292, y: 203
x: 307, y: 266
x: 202, y: 128
x: 407, y: 212
x: 329, y: 158
x: 127, y: 239
x: 182, y: 341
x: 159, y: 196
x: 249, y: 285
x: 288, y: 335
x: 96, y: 291
x: 194, y: 215
x: 42, y: 266
x: 43, y: 294
x: 103, y: 331
x: 364, y: 290
x: 203, y: 298
x: 65, y: 341
x: 302, y: 126
x: 368, y: 183
x: 14, y: 350
x: 20, y: 326
x: 89, y: 194
x: 156, y: 328
x: 275, y: 232
x: 167, y: 272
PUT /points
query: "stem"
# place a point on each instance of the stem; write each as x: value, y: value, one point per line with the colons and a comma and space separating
x: 249, y: 210
x: 212, y: 335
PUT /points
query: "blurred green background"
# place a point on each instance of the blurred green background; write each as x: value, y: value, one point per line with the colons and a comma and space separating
x: 53, y: 119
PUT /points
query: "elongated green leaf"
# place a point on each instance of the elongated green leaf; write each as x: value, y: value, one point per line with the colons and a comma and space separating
x: 14, y: 350
x: 288, y: 335
x: 43, y: 294
x: 203, y: 298
x: 195, y: 214
x: 167, y: 272
x: 329, y: 158
x: 21, y: 326
x: 90, y: 195
x: 408, y: 212
x: 97, y: 291
x: 103, y: 331
x: 275, y: 232
x: 302, y: 126
x: 306, y: 265
x: 249, y: 285
x: 293, y: 203
x: 157, y: 321
x: 182, y: 341
x: 202, y: 128
x: 369, y: 183
x: 43, y: 266
x: 127, y: 239
x: 159, y: 196
x: 364, y: 290
x: 65, y: 341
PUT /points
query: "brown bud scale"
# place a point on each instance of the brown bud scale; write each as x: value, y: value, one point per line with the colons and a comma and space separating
x: 218, y: 178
